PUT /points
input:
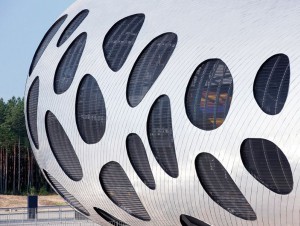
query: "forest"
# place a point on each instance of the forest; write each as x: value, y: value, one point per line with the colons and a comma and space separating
x: 19, y: 172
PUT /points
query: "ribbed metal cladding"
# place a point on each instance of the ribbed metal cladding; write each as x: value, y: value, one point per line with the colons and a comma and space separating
x: 62, y: 148
x: 68, y: 64
x: 186, y: 220
x: 90, y: 110
x: 72, y: 26
x: 119, y: 189
x: 120, y: 39
x: 31, y: 108
x: 267, y: 164
x: 109, y: 218
x: 160, y: 135
x: 208, y: 95
x: 65, y: 194
x: 45, y: 42
x: 221, y: 188
x: 271, y: 85
x: 148, y: 66
x: 139, y: 160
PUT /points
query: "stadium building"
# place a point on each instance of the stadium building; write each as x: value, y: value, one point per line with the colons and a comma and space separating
x: 171, y: 112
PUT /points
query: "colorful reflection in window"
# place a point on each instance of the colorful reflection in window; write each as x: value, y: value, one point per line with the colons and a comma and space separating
x: 209, y: 94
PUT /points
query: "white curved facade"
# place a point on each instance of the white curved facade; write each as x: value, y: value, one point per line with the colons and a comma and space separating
x: 243, y: 35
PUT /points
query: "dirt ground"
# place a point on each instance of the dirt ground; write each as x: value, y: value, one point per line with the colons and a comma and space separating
x: 21, y: 201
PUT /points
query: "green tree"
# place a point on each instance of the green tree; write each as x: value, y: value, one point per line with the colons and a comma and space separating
x: 19, y: 171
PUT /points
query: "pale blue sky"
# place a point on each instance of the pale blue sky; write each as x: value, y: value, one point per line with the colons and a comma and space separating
x: 23, y: 24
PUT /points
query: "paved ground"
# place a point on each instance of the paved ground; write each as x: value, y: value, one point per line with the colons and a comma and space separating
x: 53, y: 223
x: 11, y: 201
x: 50, y: 216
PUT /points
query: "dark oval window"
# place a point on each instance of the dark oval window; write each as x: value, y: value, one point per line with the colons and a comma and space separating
x: 186, y: 220
x: 148, y: 66
x: 267, y: 164
x: 139, y: 160
x: 68, y: 64
x: 221, y: 188
x: 72, y: 26
x: 109, y: 218
x: 62, y: 148
x: 271, y: 84
x: 90, y: 110
x: 45, y: 42
x: 32, y: 105
x: 160, y: 135
x: 119, y: 189
x: 120, y: 39
x: 208, y: 95
x: 65, y: 194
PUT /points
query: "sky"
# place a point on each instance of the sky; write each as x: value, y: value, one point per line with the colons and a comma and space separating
x: 23, y: 24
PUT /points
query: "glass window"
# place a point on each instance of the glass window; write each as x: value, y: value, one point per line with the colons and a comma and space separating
x: 109, y: 218
x: 208, y: 95
x: 148, y: 67
x: 271, y: 84
x: 139, y: 160
x: 72, y: 26
x: 221, y: 188
x: 68, y: 64
x: 90, y: 110
x: 267, y: 164
x: 120, y: 39
x: 65, y: 194
x: 45, y: 42
x: 160, y: 135
x: 32, y: 105
x: 119, y: 189
x: 62, y: 148
x: 186, y: 220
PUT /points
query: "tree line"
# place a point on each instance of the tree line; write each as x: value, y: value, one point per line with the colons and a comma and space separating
x: 19, y: 172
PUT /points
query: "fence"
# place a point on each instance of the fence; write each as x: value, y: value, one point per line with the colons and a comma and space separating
x: 48, y: 215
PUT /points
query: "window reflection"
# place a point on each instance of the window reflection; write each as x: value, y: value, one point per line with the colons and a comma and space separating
x: 209, y: 94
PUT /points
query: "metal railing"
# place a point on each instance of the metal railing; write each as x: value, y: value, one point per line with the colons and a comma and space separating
x: 44, y: 215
